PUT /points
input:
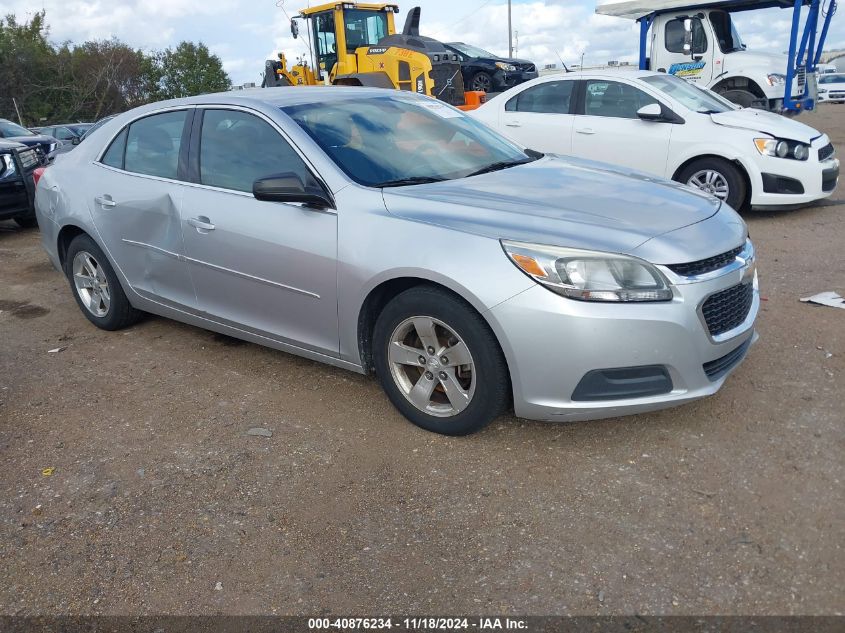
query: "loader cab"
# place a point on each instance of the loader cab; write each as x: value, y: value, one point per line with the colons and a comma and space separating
x: 338, y: 30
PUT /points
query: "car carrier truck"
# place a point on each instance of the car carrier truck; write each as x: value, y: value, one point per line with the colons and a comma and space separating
x: 699, y: 42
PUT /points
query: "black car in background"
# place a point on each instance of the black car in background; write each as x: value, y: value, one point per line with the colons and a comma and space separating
x: 68, y: 133
x: 482, y: 70
x: 46, y: 145
x: 17, y: 187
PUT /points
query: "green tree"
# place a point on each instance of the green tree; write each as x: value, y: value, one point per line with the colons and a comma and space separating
x: 190, y: 69
x: 25, y: 67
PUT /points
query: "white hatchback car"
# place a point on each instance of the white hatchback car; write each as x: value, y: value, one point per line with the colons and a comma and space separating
x: 666, y: 126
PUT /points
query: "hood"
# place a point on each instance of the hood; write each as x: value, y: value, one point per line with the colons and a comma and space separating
x: 512, y: 60
x: 562, y: 202
x: 6, y: 145
x: 38, y: 139
x: 767, y: 123
x: 773, y: 62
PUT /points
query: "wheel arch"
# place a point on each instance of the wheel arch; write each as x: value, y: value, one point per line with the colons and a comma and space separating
x: 734, y: 161
x: 739, y: 82
x: 66, y: 235
x: 380, y: 295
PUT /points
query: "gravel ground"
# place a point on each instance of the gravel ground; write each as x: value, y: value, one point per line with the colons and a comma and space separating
x: 158, y: 501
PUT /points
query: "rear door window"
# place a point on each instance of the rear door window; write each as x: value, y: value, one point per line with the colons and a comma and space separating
x: 614, y: 99
x: 153, y: 144
x: 553, y: 97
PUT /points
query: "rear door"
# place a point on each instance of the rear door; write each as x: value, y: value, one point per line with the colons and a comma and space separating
x: 608, y: 128
x: 266, y: 267
x: 541, y: 116
x: 135, y: 201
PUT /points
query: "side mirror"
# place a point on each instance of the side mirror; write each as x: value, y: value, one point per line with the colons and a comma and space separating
x: 688, y: 36
x: 651, y: 112
x: 294, y: 28
x: 288, y: 187
x: 75, y: 140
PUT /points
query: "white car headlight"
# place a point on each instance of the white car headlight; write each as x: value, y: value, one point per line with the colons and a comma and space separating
x: 776, y: 79
x: 782, y: 149
x: 507, y: 67
x: 589, y: 275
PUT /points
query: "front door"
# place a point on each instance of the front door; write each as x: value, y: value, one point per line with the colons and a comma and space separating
x: 265, y: 267
x: 608, y: 128
x: 135, y: 203
x: 691, y: 60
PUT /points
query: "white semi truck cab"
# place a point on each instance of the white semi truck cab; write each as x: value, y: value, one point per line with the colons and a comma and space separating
x: 699, y: 42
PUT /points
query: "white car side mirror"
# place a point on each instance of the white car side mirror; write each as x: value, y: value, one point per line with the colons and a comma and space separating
x: 650, y: 112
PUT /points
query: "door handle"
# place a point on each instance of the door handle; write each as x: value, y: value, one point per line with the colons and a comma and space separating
x: 105, y: 201
x: 514, y: 124
x: 586, y: 130
x: 201, y: 224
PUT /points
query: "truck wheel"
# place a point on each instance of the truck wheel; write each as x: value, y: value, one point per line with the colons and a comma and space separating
x: 740, y: 97
x: 482, y: 81
x: 439, y: 362
x: 717, y: 177
x: 95, y: 286
x: 26, y: 221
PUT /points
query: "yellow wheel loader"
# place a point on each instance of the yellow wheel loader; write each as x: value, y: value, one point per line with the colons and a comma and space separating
x: 356, y: 44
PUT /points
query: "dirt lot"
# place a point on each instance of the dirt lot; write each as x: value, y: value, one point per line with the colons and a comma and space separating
x: 159, y: 503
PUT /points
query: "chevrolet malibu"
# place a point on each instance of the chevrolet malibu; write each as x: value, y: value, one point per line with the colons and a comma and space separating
x: 382, y: 231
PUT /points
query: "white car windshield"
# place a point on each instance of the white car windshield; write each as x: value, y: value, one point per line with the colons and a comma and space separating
x: 404, y: 140
x: 832, y: 79
x: 690, y: 96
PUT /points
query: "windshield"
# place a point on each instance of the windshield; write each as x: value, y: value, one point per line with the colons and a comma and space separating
x: 832, y: 79
x: 398, y: 140
x: 726, y: 33
x: 687, y: 94
x: 8, y: 129
x: 471, y: 51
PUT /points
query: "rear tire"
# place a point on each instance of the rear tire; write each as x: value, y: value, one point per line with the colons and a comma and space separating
x: 95, y: 286
x: 711, y: 175
x: 452, y: 378
x: 27, y: 221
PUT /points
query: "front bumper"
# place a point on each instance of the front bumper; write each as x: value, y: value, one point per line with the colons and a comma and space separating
x: 552, y: 343
x: 770, y: 176
x: 503, y: 80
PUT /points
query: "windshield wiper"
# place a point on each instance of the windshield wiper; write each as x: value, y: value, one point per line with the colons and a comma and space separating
x: 502, y: 164
x: 413, y: 180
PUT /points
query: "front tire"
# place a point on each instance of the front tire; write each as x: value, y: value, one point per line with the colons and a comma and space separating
x: 439, y: 362
x: 482, y: 81
x: 742, y: 98
x: 95, y: 286
x: 717, y: 177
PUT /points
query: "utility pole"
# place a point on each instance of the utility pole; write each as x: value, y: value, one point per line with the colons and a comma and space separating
x: 510, y: 32
x: 20, y: 120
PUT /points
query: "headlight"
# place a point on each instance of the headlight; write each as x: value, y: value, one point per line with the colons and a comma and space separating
x: 775, y: 79
x: 782, y: 148
x: 7, y: 166
x: 589, y: 275
x: 503, y: 66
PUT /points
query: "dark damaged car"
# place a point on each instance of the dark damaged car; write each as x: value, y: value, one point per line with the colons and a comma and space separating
x: 482, y: 70
x: 17, y: 184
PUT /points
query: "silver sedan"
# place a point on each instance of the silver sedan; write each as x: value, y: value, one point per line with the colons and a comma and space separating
x: 382, y: 231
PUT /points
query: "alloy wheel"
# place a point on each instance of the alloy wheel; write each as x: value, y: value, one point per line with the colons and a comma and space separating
x: 432, y: 366
x: 712, y: 182
x: 91, y: 284
x: 481, y: 82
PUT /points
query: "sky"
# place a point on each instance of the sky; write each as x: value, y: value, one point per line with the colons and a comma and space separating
x: 244, y: 34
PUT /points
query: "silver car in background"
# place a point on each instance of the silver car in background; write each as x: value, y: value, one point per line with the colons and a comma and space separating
x: 384, y: 231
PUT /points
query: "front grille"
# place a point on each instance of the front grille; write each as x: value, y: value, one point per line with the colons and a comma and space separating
x: 702, y: 266
x: 448, y: 83
x: 29, y: 159
x: 829, y: 179
x: 726, y: 310
x: 826, y: 152
x: 715, y: 369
